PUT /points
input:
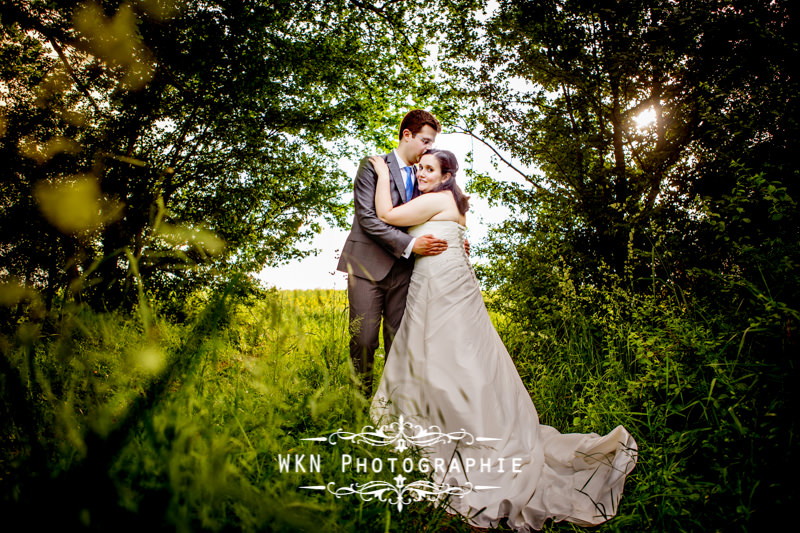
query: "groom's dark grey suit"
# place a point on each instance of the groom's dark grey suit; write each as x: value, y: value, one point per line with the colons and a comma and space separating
x: 378, y: 274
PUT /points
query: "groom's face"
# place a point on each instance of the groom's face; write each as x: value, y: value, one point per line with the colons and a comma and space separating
x: 420, y: 143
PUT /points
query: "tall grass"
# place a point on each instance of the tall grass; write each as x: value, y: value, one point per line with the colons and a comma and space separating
x: 112, y: 423
x: 180, y: 425
x: 703, y: 396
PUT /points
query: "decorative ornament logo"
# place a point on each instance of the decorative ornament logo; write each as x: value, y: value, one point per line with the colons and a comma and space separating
x: 398, y: 493
x: 397, y: 433
x: 402, y: 435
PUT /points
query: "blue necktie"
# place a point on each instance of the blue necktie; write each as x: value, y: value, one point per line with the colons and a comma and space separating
x: 409, y: 183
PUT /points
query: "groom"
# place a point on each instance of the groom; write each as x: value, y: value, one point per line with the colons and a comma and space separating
x: 377, y: 257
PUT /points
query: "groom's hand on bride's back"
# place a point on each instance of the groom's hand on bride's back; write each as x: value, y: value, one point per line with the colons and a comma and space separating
x: 429, y: 245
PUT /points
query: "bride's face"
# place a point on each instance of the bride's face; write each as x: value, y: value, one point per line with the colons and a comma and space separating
x: 430, y: 173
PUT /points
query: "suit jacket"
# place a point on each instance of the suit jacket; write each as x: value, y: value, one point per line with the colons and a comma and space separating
x: 373, y: 246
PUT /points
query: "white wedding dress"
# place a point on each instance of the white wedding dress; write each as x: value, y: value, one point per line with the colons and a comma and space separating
x: 449, y: 368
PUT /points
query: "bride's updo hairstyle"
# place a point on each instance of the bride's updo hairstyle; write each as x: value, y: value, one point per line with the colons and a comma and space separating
x: 449, y: 163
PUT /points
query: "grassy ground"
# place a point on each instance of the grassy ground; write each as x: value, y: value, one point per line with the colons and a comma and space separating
x: 129, y: 422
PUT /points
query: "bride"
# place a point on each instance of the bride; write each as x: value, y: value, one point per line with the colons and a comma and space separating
x: 448, y: 367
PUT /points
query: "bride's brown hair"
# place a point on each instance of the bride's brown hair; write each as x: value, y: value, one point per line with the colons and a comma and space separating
x: 449, y: 163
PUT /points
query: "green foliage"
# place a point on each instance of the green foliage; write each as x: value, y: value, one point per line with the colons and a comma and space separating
x: 561, y: 87
x: 201, y: 137
x: 122, y: 427
x: 648, y: 274
x: 710, y: 411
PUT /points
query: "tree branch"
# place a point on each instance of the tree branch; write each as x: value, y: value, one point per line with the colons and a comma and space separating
x: 380, y: 12
x: 71, y: 71
x: 28, y: 21
x: 503, y: 159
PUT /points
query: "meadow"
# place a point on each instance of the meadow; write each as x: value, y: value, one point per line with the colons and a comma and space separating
x: 175, y: 418
x: 646, y: 273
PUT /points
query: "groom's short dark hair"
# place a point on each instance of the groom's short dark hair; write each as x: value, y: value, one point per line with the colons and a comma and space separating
x: 415, y: 120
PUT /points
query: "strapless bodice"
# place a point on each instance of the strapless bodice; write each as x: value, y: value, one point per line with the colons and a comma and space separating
x: 449, y: 230
x: 454, y: 256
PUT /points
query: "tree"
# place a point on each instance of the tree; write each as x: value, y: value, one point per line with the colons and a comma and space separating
x: 639, y: 116
x: 631, y: 239
x: 199, y: 136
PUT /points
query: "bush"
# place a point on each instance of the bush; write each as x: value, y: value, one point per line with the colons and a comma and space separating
x: 710, y: 410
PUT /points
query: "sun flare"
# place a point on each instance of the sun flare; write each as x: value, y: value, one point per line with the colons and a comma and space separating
x: 645, y: 119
